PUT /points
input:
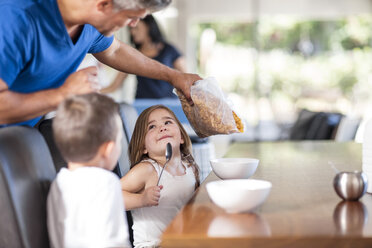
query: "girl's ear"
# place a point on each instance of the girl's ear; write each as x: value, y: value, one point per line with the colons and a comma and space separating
x: 144, y: 151
x: 182, y: 141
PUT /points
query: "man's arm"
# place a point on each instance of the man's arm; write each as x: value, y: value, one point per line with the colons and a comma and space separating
x: 127, y: 59
x: 16, y: 107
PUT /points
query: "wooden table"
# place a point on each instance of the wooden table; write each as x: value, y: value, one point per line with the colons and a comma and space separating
x: 302, y: 209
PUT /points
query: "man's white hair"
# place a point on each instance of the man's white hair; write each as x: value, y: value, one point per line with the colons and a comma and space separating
x: 151, y: 5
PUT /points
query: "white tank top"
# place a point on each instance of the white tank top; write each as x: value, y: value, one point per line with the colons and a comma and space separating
x: 150, y: 222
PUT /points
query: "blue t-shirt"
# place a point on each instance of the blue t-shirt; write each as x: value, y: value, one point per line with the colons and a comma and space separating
x: 36, y: 52
x: 152, y: 88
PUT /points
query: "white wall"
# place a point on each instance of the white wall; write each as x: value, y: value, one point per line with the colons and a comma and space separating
x: 249, y: 8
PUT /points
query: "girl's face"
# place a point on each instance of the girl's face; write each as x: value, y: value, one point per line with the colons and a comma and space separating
x: 139, y: 33
x: 162, y: 128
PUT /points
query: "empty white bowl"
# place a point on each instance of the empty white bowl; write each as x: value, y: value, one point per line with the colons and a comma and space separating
x: 234, y: 168
x: 238, y: 195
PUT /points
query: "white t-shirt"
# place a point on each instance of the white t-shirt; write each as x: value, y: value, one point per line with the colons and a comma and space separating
x: 86, y: 209
x: 150, y: 222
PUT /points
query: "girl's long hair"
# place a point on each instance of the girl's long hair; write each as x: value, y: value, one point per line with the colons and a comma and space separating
x: 137, y: 142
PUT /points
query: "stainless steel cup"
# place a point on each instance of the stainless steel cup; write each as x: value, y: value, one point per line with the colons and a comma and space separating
x: 350, y: 186
x: 350, y: 217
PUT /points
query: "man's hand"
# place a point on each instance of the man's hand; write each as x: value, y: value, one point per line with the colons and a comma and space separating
x: 81, y: 82
x: 151, y: 196
x: 183, y: 82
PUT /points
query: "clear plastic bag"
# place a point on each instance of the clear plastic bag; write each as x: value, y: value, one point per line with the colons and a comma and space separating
x: 210, y: 114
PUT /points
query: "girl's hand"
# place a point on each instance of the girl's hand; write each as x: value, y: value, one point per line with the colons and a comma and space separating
x: 151, y: 195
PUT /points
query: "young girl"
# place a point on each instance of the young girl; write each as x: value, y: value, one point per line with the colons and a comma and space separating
x: 153, y: 207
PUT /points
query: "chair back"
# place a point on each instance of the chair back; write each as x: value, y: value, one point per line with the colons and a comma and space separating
x: 129, y: 116
x: 347, y: 129
x: 26, y: 172
x: 123, y: 162
x: 45, y: 128
x: 315, y: 126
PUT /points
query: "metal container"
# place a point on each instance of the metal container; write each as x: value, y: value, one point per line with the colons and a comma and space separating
x: 350, y: 186
x: 350, y: 217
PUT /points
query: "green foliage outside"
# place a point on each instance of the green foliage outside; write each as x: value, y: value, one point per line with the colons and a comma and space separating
x: 285, y: 33
x: 296, y: 57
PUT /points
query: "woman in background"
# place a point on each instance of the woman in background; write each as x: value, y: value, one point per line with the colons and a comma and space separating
x: 148, y: 39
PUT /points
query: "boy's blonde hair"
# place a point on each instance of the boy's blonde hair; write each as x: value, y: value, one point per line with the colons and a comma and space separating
x: 83, y: 123
x: 137, y: 142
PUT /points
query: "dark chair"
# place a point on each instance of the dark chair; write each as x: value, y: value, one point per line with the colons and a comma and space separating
x: 45, y: 128
x: 129, y: 117
x: 122, y: 169
x: 302, y: 125
x: 26, y: 172
x: 315, y: 125
x: 123, y: 163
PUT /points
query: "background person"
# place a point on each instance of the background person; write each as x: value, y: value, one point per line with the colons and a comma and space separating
x: 153, y: 207
x: 148, y: 39
x: 85, y: 204
x: 43, y: 42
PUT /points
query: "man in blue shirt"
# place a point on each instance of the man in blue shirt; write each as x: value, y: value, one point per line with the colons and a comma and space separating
x: 42, y: 42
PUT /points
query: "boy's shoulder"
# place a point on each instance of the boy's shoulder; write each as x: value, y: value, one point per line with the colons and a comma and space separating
x: 85, y: 170
x: 84, y: 185
x: 86, y: 176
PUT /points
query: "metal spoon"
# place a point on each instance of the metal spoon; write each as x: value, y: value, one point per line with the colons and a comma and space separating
x: 168, y: 155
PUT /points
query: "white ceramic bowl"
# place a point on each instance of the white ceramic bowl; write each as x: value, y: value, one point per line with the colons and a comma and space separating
x: 238, y: 195
x: 234, y: 168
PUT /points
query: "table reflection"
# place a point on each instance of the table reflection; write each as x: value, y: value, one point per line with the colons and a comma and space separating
x: 350, y: 217
x: 236, y: 225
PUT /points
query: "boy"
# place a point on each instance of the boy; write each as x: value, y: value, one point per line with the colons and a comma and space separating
x: 85, y: 204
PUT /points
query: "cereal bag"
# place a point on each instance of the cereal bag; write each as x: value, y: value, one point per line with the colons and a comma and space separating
x: 210, y: 113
